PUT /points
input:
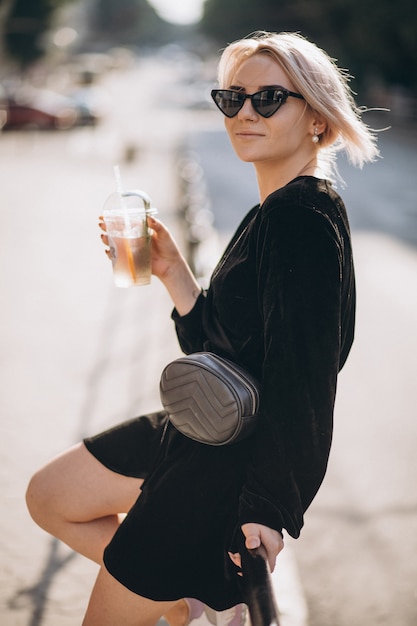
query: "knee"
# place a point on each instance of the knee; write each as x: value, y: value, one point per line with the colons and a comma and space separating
x: 39, y: 499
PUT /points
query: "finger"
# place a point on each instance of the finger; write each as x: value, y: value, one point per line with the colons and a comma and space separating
x: 102, y: 224
x: 236, y: 559
x: 271, y: 561
x: 252, y: 542
x: 273, y: 551
x: 105, y: 239
x: 156, y: 225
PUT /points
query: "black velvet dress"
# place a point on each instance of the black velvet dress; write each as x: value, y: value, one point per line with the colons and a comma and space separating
x: 284, y: 294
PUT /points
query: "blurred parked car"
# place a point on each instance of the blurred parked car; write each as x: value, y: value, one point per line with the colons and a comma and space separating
x: 40, y: 109
x: 46, y: 110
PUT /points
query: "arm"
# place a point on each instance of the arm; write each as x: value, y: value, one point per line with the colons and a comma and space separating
x: 299, y: 270
x: 169, y: 265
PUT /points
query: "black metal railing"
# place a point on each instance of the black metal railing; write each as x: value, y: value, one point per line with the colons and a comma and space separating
x: 259, y: 591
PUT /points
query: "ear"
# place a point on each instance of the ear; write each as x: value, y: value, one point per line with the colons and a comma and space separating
x: 318, y: 123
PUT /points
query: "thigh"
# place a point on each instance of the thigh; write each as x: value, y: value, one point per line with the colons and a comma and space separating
x: 81, y: 488
x: 111, y: 603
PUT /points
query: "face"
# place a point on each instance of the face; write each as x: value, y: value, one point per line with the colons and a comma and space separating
x: 286, y: 135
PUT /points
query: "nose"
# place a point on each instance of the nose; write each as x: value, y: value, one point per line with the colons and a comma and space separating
x: 247, y: 111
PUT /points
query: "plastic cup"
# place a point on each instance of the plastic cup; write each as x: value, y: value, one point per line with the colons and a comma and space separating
x: 125, y: 215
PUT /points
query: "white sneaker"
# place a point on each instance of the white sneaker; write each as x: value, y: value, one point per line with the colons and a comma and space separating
x: 203, y: 615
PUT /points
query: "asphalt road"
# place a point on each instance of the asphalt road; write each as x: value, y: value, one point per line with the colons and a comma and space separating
x: 73, y: 349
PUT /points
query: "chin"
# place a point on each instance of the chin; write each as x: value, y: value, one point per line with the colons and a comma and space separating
x: 248, y: 156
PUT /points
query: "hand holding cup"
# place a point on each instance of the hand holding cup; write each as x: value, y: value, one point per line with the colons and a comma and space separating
x: 125, y: 221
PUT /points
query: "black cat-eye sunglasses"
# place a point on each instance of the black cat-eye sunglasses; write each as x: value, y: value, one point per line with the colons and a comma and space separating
x: 265, y: 102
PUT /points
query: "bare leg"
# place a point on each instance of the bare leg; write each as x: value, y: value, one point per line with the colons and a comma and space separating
x: 78, y: 500
x: 112, y: 604
x: 81, y: 502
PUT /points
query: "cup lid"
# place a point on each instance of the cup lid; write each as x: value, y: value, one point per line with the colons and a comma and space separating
x: 133, y: 201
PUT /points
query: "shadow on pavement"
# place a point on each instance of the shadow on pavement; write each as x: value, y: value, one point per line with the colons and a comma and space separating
x: 35, y: 598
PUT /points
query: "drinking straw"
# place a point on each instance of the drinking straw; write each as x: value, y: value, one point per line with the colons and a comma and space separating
x: 126, y: 218
x: 119, y: 187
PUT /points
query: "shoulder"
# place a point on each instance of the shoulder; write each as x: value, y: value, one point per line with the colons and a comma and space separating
x: 305, y: 205
x: 305, y: 192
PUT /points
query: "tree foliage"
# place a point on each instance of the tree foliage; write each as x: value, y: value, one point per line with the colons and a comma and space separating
x: 24, y: 26
x: 126, y: 21
x: 118, y: 22
x: 373, y: 38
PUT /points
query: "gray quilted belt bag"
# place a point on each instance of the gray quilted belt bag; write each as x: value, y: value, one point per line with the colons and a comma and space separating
x: 209, y: 398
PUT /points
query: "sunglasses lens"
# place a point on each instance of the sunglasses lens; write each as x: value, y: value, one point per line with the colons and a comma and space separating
x: 267, y: 102
x: 229, y: 102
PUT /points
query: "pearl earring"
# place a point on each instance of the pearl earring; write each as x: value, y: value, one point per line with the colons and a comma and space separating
x: 315, y: 138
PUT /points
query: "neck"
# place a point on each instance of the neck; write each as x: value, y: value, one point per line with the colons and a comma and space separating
x: 270, y: 177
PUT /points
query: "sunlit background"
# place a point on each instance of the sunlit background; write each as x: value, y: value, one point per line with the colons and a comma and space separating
x: 86, y: 85
x: 182, y: 12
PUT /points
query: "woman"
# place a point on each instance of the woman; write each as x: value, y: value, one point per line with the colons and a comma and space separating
x: 284, y: 295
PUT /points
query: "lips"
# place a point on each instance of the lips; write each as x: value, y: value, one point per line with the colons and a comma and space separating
x: 247, y: 133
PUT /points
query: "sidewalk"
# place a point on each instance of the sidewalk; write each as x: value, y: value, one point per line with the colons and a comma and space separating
x: 78, y: 354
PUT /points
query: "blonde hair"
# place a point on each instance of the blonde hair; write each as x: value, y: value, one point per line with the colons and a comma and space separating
x: 324, y: 86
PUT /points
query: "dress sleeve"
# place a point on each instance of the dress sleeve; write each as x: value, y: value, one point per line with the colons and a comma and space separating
x: 299, y: 276
x: 189, y: 327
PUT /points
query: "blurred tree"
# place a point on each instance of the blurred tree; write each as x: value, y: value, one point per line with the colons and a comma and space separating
x: 129, y: 22
x: 24, y: 26
x: 237, y: 18
x: 375, y: 39
x: 120, y: 21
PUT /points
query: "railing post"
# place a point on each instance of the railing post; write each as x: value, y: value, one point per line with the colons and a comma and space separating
x: 260, y: 598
